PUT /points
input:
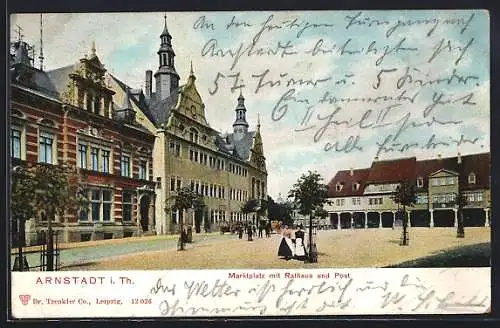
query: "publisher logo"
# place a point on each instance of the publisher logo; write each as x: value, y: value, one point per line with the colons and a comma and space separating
x: 25, y: 299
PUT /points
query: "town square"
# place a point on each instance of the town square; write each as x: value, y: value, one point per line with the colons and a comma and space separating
x: 249, y: 141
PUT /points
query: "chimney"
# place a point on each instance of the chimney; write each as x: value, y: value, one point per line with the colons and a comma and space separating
x: 149, y: 81
x: 352, y: 172
x: 439, y: 155
x: 459, y: 158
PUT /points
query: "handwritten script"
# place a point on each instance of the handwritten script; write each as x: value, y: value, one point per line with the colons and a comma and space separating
x: 386, y: 82
x: 320, y: 292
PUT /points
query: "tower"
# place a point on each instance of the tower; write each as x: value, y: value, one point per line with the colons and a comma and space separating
x: 240, y: 125
x: 167, y: 79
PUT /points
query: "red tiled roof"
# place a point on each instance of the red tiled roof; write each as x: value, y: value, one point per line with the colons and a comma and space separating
x: 345, y: 178
x: 480, y: 165
x: 398, y: 170
x: 425, y: 168
x: 392, y: 170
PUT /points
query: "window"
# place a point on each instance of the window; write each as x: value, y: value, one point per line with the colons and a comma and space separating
x: 97, y: 105
x: 420, y: 182
x: 46, y: 151
x: 179, y: 183
x: 95, y: 203
x: 193, y: 135
x: 472, y: 178
x: 142, y: 169
x: 125, y: 166
x: 15, y: 143
x: 175, y: 148
x: 172, y: 184
x: 450, y: 180
x: 105, y: 161
x: 127, y: 206
x: 106, y: 202
x: 82, y: 156
x: 355, y: 186
x: 338, y: 187
x: 435, y: 182
x: 94, y: 158
x: 422, y: 199
x: 356, y: 201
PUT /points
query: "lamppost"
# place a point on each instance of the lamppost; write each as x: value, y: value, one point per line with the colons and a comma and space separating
x: 50, y: 240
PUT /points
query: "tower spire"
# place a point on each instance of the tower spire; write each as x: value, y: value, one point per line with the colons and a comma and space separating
x: 41, y: 43
x: 191, y: 71
x: 92, y: 51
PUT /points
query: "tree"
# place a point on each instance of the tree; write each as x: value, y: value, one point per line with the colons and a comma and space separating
x: 405, y: 195
x: 309, y: 193
x: 461, y: 201
x: 51, y: 189
x: 184, y: 200
x: 255, y: 206
x: 279, y: 211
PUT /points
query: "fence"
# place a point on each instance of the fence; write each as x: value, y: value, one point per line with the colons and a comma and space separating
x: 35, y: 258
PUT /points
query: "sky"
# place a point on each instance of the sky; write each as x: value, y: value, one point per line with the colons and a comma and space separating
x: 332, y: 89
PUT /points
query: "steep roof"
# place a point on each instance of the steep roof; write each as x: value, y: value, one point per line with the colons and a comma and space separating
x: 347, y: 180
x: 424, y: 168
x: 137, y: 97
x: 480, y: 165
x: 60, y: 77
x: 34, y: 79
x: 237, y: 148
x: 392, y: 170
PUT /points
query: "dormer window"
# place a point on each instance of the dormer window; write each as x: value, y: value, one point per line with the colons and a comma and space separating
x: 355, y: 186
x: 472, y: 178
x: 420, y: 182
x: 338, y: 187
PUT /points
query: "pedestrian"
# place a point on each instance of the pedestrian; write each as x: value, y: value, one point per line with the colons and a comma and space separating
x: 249, y: 233
x: 240, y: 232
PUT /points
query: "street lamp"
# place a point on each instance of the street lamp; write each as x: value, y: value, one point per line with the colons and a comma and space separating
x: 50, y: 240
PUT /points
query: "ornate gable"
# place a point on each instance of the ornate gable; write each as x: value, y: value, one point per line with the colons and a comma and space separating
x: 189, y: 102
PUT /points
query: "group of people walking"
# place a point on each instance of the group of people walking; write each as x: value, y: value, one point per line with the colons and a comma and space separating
x: 251, y: 230
x: 292, y: 244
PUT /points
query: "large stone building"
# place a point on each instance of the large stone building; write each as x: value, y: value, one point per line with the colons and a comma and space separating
x: 226, y: 169
x: 70, y: 115
x: 361, y: 198
x: 135, y: 148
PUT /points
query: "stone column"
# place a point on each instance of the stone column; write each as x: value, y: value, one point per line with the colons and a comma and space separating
x: 409, y: 219
x: 366, y: 220
x: 487, y: 221
x: 394, y: 218
x: 339, y: 227
x: 352, y: 220
x: 455, y: 224
x: 431, y: 224
x: 380, y: 220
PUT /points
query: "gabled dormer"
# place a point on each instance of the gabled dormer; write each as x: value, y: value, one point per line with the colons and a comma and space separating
x: 86, y: 87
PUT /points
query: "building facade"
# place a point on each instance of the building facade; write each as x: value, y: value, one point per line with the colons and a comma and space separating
x: 226, y: 169
x: 69, y: 115
x: 361, y: 198
x: 135, y: 148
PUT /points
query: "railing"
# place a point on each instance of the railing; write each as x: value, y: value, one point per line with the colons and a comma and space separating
x: 30, y: 257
